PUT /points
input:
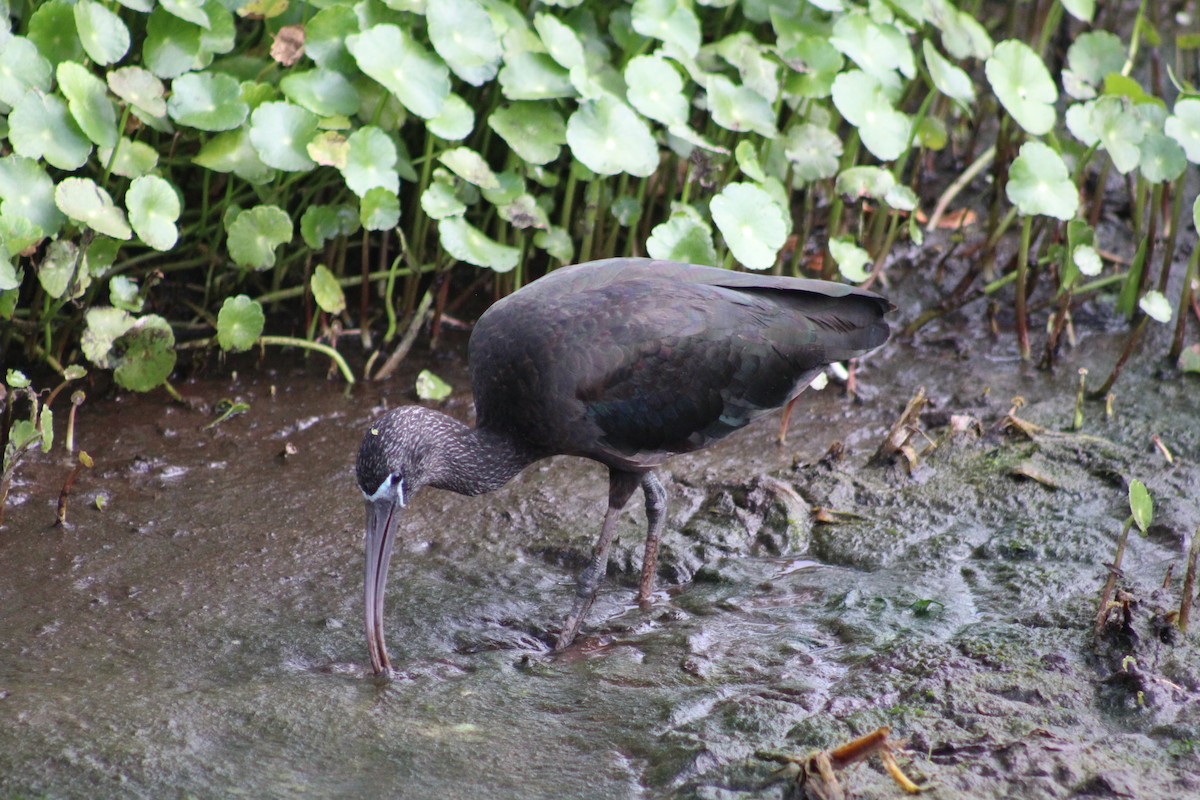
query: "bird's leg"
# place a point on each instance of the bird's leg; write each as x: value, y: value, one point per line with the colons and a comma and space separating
x: 787, y: 415
x: 656, y: 513
x: 620, y: 488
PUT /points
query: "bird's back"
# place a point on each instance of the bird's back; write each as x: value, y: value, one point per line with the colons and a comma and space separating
x: 629, y: 361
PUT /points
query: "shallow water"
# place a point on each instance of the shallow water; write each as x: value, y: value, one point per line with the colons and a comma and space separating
x: 202, y: 635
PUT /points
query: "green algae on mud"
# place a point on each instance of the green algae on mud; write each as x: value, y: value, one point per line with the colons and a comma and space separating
x: 202, y: 635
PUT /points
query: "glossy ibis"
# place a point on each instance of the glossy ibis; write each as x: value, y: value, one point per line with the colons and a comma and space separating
x: 626, y: 361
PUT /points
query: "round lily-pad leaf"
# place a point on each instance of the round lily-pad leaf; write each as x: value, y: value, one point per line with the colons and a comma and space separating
x: 153, y: 209
x: 104, y: 325
x: 949, y: 79
x: 280, y: 133
x: 756, y: 64
x: 371, y: 162
x: 1161, y: 158
x: 523, y: 211
x: 145, y: 354
x: 739, y: 108
x: 17, y: 234
x: 10, y: 279
x: 877, y: 48
x: 456, y: 121
x: 1023, y: 85
x: 469, y: 244
x: 100, y: 255
x: 52, y: 29
x: 1119, y: 131
x: 561, y: 40
x: 509, y: 186
x: 40, y: 127
x: 557, y: 242
x: 328, y: 149
x: 1184, y: 127
x: 320, y: 223
x: 439, y: 201
x: 470, y: 166
x: 322, y: 91
x: 22, y: 68
x: 1189, y: 359
x: 962, y: 35
x: 627, y: 211
x: 390, y: 55
x: 901, y: 198
x: 172, y: 46
x: 58, y: 270
x: 123, y: 294
x: 534, y: 76
x: 209, y: 101
x: 608, y: 137
x: 254, y: 235
x: 132, y: 159
x: 746, y: 156
x: 27, y: 191
x: 823, y: 63
x: 1087, y: 260
x: 101, y: 32
x: 535, y: 131
x: 82, y: 200
x: 87, y: 100
x: 1082, y: 10
x: 379, y: 209
x: 325, y: 38
x: 684, y: 237
x: 814, y: 151
x: 1038, y: 183
x: 863, y: 101
x: 1094, y: 55
x: 240, y: 322
x: 431, y: 388
x: 140, y: 88
x: 232, y: 152
x: 656, y: 90
x: 752, y: 224
x: 1079, y: 123
x: 462, y: 33
x: 851, y: 259
x: 190, y: 10
x: 1156, y: 306
x: 218, y: 36
x: 327, y: 291
x: 668, y: 20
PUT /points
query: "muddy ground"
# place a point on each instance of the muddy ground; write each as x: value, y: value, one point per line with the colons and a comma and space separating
x: 201, y: 635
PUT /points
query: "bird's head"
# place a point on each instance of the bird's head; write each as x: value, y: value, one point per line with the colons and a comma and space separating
x: 398, y: 456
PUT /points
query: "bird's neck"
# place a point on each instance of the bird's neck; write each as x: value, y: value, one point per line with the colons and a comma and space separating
x: 474, y: 461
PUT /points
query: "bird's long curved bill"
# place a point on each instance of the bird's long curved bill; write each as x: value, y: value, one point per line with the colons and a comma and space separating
x: 383, y: 517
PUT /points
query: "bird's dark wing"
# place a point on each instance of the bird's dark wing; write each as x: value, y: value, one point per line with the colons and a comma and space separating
x: 632, y: 369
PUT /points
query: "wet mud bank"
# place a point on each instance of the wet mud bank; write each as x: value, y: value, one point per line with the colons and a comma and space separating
x: 201, y: 635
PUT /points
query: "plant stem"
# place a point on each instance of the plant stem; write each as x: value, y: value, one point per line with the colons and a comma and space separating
x: 1022, y: 270
x: 291, y: 341
x: 1189, y: 584
x: 1185, y: 300
x: 960, y: 183
x: 1111, y: 583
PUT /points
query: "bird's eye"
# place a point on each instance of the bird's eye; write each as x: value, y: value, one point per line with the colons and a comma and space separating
x: 391, y: 488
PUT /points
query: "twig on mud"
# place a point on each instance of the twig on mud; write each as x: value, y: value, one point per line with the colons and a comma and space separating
x: 406, y: 342
x: 815, y: 776
x: 896, y: 440
x: 85, y: 461
x: 1189, y: 584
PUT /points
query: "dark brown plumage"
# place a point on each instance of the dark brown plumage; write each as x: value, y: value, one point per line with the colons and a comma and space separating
x: 624, y: 361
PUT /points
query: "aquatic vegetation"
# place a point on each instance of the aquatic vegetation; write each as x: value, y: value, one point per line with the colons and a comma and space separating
x: 161, y: 162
